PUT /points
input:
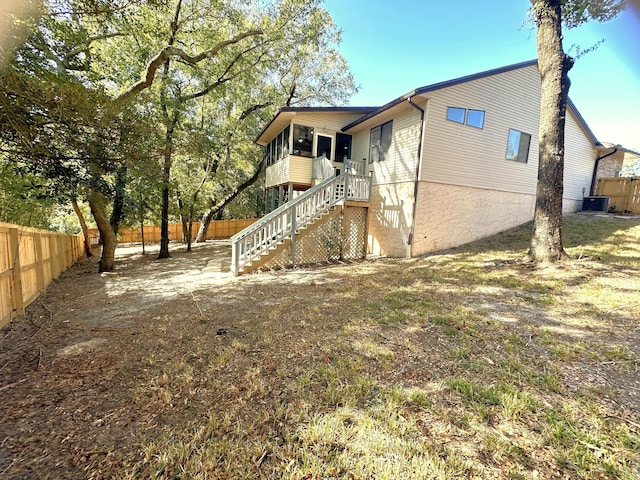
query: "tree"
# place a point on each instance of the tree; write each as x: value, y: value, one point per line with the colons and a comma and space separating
x: 304, y: 70
x: 102, y: 85
x: 554, y: 65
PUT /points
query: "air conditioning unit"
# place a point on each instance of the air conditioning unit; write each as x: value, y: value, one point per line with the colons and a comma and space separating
x: 595, y: 204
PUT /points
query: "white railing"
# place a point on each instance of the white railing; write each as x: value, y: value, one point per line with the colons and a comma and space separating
x: 357, y: 166
x: 283, y: 223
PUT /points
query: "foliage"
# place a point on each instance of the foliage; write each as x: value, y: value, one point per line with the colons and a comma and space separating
x: 24, y: 199
x: 579, y: 12
x: 631, y: 169
x: 84, y: 107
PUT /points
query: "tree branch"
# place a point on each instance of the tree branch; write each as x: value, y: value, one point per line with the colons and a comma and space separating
x: 243, y: 186
x: 172, y: 51
x: 252, y: 109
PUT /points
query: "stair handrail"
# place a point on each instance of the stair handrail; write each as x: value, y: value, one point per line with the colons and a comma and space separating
x: 281, y: 222
x: 281, y: 209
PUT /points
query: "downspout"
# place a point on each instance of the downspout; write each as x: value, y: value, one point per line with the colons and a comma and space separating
x: 595, y: 170
x: 417, y: 179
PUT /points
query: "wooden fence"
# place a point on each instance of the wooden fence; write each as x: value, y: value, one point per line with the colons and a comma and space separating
x: 623, y: 193
x: 217, y: 229
x: 29, y: 260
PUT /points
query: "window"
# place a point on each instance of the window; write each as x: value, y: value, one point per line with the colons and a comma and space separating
x: 278, y: 148
x: 473, y: 118
x: 518, y: 146
x: 456, y: 114
x: 302, y: 141
x: 380, y: 142
x: 324, y: 145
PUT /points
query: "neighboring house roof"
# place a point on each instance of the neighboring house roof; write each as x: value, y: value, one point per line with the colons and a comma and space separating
x: 629, y: 153
x: 282, y: 118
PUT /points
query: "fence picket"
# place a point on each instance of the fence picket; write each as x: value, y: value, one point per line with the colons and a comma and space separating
x: 29, y: 260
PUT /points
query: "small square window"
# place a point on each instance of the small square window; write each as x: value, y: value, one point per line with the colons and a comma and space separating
x: 475, y: 118
x: 518, y: 146
x: 456, y: 114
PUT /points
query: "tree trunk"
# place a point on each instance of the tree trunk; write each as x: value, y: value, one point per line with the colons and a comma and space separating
x: 118, y: 201
x: 205, y: 221
x: 166, y: 176
x: 83, y: 226
x: 98, y: 203
x: 190, y: 227
x: 554, y: 65
x: 141, y: 218
x: 142, y: 236
x: 216, y: 207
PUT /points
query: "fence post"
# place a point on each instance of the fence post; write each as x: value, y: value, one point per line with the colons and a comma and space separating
x: 17, y: 303
x: 39, y: 263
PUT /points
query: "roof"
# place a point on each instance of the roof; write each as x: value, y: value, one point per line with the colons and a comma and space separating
x: 439, y: 86
x: 285, y: 114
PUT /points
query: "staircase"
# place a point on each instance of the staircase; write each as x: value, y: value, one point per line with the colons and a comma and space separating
x: 252, y: 247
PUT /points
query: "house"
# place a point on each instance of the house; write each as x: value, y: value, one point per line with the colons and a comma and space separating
x: 445, y: 164
x: 613, y: 161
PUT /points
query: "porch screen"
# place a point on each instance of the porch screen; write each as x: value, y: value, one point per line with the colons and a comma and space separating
x: 302, y: 141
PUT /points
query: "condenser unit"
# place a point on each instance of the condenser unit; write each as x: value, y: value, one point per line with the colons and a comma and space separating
x: 595, y: 204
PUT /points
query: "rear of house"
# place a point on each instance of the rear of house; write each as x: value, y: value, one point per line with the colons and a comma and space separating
x: 469, y: 168
x: 447, y: 163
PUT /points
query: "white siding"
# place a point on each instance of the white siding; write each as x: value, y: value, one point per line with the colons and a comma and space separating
x: 579, y: 160
x: 463, y: 155
x: 324, y: 122
x: 400, y: 164
x: 458, y: 154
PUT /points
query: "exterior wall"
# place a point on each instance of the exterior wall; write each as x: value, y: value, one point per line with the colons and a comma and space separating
x: 467, y: 156
x: 391, y: 211
x: 449, y: 215
x: 324, y: 122
x: 579, y: 160
x: 291, y: 169
x: 390, y: 219
x: 400, y: 164
x: 462, y: 155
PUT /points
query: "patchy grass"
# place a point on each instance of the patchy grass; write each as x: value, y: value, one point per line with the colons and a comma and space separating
x: 469, y: 363
x: 450, y: 366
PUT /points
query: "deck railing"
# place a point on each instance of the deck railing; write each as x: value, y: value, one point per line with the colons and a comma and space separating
x: 284, y: 222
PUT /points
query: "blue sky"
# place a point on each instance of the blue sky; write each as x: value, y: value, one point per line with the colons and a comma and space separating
x: 394, y: 46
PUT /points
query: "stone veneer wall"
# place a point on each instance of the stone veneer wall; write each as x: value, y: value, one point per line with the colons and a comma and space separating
x: 611, y: 166
x: 390, y: 219
x: 449, y: 215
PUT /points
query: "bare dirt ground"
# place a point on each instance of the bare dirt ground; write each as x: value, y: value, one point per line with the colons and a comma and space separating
x: 70, y: 366
x: 84, y: 374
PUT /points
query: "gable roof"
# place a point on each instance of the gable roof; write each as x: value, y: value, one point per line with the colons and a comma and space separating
x: 460, y: 80
x: 284, y: 115
x: 438, y: 86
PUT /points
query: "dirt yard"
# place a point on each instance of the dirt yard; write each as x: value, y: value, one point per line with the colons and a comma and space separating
x: 104, y: 368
